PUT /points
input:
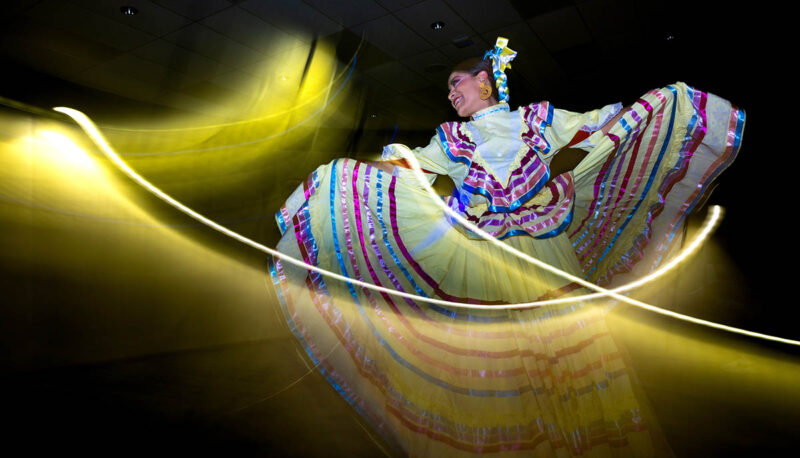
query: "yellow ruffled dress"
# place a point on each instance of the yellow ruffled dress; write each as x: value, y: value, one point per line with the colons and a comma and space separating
x: 439, y: 381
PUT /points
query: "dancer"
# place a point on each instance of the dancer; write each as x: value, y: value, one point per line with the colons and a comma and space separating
x: 547, y: 381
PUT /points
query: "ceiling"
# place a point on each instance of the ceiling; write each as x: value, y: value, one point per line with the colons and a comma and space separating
x: 192, y: 55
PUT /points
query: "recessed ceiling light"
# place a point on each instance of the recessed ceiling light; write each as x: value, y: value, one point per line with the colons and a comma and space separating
x: 438, y: 25
x: 128, y: 10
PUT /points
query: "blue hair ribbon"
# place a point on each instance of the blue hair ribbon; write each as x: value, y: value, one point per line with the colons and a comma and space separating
x: 501, y: 60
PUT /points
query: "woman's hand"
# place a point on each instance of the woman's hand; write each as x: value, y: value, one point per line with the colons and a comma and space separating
x: 388, y: 166
x: 607, y: 126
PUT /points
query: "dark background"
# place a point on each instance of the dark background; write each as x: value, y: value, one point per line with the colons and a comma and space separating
x: 177, y: 394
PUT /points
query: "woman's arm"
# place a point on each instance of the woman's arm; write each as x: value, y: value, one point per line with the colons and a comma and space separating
x: 568, y: 158
x: 607, y: 126
x: 431, y: 157
x: 389, y: 165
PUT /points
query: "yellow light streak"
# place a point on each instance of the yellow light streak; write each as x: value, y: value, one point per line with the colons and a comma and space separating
x: 91, y: 130
x: 67, y: 149
x: 323, y: 91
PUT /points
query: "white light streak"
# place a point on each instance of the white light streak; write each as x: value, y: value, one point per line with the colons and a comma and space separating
x: 91, y: 130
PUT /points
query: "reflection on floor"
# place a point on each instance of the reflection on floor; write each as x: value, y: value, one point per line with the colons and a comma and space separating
x: 213, y: 401
x: 231, y: 401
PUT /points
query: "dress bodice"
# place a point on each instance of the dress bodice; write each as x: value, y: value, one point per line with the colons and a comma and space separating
x: 499, y: 164
x: 496, y: 134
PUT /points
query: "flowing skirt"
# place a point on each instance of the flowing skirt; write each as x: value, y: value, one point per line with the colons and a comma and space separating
x: 441, y: 381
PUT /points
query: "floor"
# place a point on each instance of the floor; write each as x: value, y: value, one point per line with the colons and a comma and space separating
x: 220, y: 401
x: 252, y: 400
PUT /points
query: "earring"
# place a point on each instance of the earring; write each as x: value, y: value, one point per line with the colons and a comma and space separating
x: 486, y: 90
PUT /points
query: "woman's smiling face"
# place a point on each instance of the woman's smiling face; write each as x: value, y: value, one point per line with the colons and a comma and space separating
x: 465, y: 92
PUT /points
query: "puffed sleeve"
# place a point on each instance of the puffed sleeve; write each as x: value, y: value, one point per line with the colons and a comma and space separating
x: 431, y: 158
x: 569, y: 129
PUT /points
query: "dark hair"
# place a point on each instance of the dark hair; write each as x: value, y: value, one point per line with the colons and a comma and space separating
x: 475, y: 65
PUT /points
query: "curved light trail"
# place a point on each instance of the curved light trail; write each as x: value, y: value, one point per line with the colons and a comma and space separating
x: 91, y: 130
